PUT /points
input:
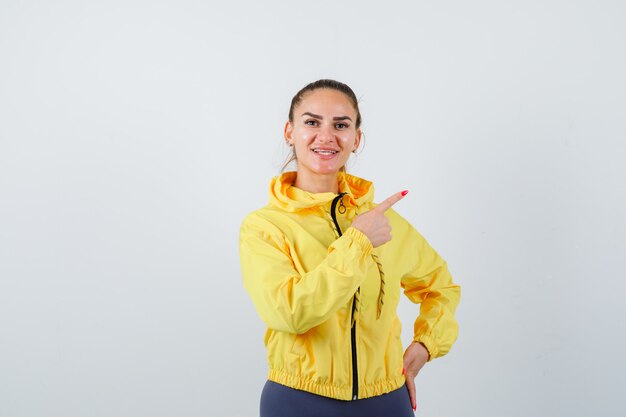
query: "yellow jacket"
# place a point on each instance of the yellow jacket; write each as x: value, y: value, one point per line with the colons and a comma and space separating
x: 310, y: 286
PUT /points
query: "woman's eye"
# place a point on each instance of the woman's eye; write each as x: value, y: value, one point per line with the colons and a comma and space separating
x: 341, y: 126
x: 311, y: 122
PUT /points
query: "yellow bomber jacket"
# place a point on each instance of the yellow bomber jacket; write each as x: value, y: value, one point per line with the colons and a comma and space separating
x: 329, y: 299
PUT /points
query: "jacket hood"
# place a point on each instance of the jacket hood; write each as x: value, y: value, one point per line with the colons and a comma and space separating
x: 285, y: 195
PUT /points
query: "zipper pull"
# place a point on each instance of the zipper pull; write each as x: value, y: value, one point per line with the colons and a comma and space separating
x: 342, y: 208
x: 333, y: 206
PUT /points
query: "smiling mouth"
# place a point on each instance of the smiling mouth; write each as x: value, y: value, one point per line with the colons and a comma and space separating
x: 324, y: 151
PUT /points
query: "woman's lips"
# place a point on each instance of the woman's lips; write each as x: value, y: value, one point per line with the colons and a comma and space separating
x: 325, y: 153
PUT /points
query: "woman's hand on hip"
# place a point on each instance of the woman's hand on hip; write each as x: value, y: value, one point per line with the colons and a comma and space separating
x: 415, y: 356
x: 374, y: 224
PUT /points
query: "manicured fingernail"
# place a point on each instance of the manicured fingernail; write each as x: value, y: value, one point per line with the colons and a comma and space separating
x: 403, y: 371
x: 415, y: 408
x: 405, y: 192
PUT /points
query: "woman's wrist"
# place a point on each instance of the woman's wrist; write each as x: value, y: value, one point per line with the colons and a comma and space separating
x: 425, y: 349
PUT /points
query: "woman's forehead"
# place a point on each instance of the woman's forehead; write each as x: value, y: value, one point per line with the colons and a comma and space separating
x: 325, y: 100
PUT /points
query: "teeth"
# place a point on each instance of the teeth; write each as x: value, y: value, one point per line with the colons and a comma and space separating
x: 324, y: 151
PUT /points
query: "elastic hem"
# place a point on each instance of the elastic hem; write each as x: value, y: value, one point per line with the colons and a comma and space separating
x: 381, y: 387
x: 429, y: 344
x: 359, y: 237
x: 326, y: 390
x: 335, y: 391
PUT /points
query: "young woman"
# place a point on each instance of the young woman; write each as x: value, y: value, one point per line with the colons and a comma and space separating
x: 325, y: 275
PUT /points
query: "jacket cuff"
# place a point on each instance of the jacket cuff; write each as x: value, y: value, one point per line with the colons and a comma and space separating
x: 363, y: 241
x: 429, y: 344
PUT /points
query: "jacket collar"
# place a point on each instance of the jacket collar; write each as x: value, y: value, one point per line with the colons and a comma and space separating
x: 288, y: 197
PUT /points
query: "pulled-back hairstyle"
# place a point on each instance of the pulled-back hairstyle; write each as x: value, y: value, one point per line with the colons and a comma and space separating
x: 332, y: 85
x: 315, y: 85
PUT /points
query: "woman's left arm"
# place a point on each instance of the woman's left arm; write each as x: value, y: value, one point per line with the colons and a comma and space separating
x: 429, y: 283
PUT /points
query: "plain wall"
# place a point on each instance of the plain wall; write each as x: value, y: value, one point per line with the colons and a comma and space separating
x: 136, y: 135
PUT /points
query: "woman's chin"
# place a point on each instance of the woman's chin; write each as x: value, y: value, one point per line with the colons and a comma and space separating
x: 325, y: 168
x: 327, y: 171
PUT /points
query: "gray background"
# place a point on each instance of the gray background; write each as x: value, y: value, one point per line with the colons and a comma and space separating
x: 136, y: 135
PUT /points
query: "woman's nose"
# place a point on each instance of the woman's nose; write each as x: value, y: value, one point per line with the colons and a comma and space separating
x: 327, y: 134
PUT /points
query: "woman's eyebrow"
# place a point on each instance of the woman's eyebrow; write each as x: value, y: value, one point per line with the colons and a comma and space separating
x: 317, y: 116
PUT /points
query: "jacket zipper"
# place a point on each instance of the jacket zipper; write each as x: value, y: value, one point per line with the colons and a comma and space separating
x: 355, y: 373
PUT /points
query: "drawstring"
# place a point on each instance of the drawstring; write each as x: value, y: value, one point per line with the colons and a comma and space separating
x: 381, y: 292
x: 357, y: 295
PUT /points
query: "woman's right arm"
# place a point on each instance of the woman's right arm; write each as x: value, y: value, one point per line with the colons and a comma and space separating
x: 287, y: 300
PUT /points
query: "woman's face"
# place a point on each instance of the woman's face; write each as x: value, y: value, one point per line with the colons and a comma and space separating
x: 323, y: 132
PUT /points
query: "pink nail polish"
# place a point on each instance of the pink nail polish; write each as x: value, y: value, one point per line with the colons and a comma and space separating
x: 405, y: 192
x: 415, y: 408
x: 403, y: 371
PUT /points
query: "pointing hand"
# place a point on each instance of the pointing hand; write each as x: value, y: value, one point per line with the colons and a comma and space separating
x: 374, y: 224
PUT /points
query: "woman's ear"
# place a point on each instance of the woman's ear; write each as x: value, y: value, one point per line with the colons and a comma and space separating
x: 288, y: 133
x: 357, y: 139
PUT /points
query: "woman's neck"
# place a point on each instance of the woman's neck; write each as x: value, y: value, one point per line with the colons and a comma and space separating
x: 317, y: 183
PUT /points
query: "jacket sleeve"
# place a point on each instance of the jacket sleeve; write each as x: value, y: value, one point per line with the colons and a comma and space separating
x: 429, y: 283
x: 287, y: 300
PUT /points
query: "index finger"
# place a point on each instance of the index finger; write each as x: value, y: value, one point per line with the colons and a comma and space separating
x: 386, y: 205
